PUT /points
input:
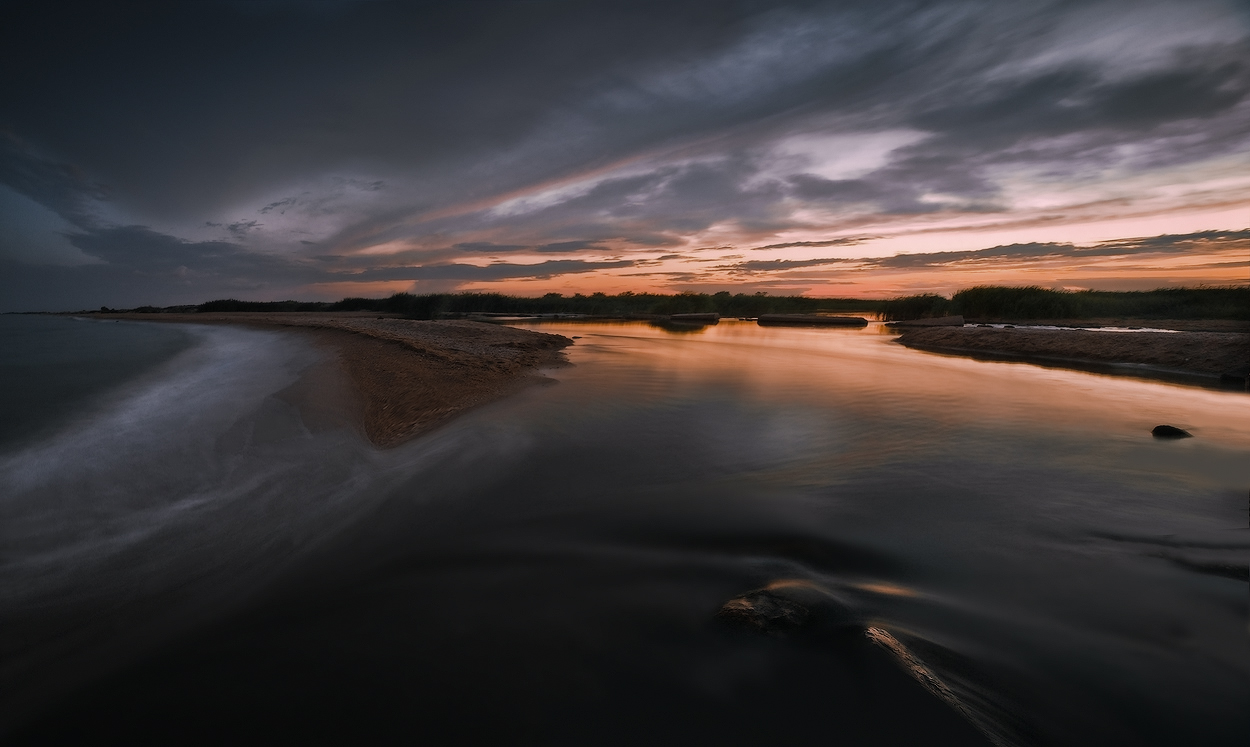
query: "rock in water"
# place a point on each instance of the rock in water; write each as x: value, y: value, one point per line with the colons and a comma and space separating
x: 765, y: 612
x: 1170, y: 431
x: 788, y: 604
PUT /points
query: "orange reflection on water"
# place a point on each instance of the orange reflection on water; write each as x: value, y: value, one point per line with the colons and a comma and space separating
x: 886, y: 588
x: 864, y: 374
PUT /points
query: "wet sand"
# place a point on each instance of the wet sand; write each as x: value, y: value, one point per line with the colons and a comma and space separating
x: 1203, y: 356
x: 408, y: 376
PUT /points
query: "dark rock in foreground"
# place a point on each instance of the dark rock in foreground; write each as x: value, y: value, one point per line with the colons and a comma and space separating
x: 787, y: 605
x: 1170, y: 431
x: 765, y: 612
x: 811, y: 320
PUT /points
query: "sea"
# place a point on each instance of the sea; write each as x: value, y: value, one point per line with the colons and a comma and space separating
x: 194, y: 549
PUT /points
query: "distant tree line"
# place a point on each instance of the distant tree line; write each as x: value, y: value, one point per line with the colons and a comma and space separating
x: 437, y: 305
x: 980, y: 302
x: 1034, y: 302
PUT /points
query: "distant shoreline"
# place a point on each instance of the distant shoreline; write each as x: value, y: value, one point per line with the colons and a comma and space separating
x: 407, y: 376
x: 1212, y: 359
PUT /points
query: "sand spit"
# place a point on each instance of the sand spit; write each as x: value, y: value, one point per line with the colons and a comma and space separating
x: 1201, y: 355
x: 409, y: 376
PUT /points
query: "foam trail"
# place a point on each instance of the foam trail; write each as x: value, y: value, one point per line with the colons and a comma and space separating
x: 172, y: 502
x: 930, y: 681
x: 170, y: 448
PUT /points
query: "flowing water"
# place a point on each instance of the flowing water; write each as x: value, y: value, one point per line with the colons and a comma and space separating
x: 194, y: 552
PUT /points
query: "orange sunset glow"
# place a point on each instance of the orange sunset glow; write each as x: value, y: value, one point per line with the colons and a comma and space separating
x: 823, y: 152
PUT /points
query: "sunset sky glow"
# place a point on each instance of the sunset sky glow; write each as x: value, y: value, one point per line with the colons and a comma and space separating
x: 272, y: 150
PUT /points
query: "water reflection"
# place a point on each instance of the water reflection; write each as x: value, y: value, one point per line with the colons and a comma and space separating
x: 680, y: 327
x: 988, y: 551
x: 864, y: 371
x: 1021, y: 507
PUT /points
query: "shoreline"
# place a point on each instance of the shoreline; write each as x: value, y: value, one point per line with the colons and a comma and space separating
x: 1131, y: 323
x: 406, y: 377
x: 1210, y: 359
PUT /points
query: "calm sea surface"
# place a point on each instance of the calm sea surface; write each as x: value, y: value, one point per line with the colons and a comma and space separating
x: 189, y: 554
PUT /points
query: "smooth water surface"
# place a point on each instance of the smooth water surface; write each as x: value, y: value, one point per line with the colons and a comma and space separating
x: 548, y: 569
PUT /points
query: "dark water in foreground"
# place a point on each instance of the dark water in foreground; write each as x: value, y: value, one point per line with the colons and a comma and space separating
x: 188, y: 558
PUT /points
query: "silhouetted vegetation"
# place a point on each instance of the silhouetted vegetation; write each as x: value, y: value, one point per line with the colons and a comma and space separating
x: 925, y: 306
x: 437, y: 305
x: 230, y: 304
x: 1033, y: 302
x: 980, y: 302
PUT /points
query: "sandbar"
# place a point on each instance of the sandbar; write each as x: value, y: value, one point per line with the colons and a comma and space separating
x: 1196, y: 357
x: 408, y: 376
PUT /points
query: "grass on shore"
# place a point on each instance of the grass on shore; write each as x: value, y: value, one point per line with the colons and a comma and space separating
x: 1033, y: 302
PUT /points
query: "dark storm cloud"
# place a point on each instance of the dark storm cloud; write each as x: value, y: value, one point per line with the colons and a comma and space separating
x: 558, y: 127
x: 1174, y: 243
x: 845, y: 241
x: 774, y: 265
x: 1075, y: 99
x: 143, y: 250
x: 495, y: 271
x: 895, y: 192
x: 280, y: 206
x: 240, y: 228
x: 1167, y: 244
x: 150, y: 259
x: 1012, y: 251
x: 567, y: 246
x: 384, y: 86
x: 1066, y: 120
x: 164, y: 270
x: 679, y: 199
x: 57, y: 185
x: 486, y: 247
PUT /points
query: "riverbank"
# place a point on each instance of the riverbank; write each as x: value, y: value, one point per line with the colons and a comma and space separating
x: 1179, y: 325
x: 407, y: 376
x: 1211, y: 358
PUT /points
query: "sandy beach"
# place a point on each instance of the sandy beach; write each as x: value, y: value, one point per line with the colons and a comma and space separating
x: 408, y: 376
x: 1201, y: 355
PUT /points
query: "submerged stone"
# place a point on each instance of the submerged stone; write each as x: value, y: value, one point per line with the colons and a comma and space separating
x: 788, y: 604
x: 1170, y: 431
x: 765, y: 612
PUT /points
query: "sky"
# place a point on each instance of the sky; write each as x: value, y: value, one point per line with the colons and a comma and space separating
x: 175, y: 153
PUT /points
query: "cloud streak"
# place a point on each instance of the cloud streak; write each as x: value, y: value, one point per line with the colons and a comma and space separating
x: 1196, y: 243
